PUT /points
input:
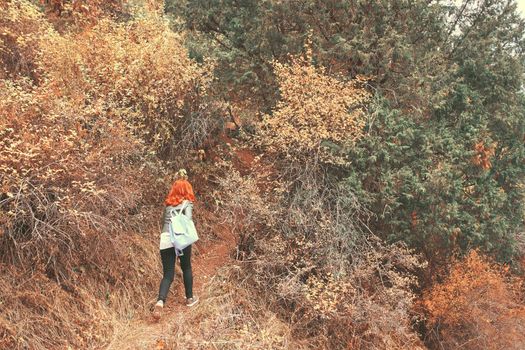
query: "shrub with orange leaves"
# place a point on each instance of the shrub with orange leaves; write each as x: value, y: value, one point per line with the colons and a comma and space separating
x: 141, y: 73
x: 21, y: 26
x: 477, y: 306
x: 317, y: 115
x: 85, y: 118
x: 80, y: 129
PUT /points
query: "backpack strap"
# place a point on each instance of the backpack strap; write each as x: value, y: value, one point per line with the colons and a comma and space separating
x: 184, y: 205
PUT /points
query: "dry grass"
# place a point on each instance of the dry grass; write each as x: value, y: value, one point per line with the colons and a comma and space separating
x: 113, y: 281
x: 231, y: 316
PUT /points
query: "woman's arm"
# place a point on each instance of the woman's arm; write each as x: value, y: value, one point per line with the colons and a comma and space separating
x: 188, y: 211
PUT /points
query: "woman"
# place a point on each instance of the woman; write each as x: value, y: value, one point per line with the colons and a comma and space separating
x: 180, y: 196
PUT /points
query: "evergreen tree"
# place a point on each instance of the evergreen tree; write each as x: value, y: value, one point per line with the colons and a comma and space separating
x: 442, y: 164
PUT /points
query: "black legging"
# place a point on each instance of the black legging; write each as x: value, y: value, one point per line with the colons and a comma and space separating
x: 168, y: 266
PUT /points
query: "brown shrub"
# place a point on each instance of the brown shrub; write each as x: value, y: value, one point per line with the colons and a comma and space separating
x: 84, y: 117
x: 140, y: 73
x: 336, y: 286
x: 477, y: 306
x: 250, y: 215
x: 77, y: 303
x: 21, y: 27
x: 78, y: 144
x: 367, y: 307
x: 68, y: 15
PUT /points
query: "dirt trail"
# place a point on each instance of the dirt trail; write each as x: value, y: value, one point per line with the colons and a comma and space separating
x: 145, y: 332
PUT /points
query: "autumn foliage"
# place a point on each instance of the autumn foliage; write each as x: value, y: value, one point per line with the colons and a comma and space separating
x: 477, y: 306
x: 89, y: 117
x: 86, y: 117
x: 317, y: 114
x: 483, y: 155
x: 366, y: 137
x: 80, y: 10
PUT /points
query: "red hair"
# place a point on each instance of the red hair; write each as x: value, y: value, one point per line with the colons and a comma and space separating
x: 180, y: 190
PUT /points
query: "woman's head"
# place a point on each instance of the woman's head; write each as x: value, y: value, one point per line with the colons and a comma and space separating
x: 180, y: 190
x: 181, y: 174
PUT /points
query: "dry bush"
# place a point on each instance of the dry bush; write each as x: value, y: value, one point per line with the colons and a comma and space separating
x: 477, y: 306
x: 41, y: 315
x: 238, y: 179
x: 80, y: 310
x: 83, y: 119
x: 317, y: 114
x: 310, y: 258
x: 367, y: 307
x: 240, y: 204
x: 337, y: 283
x: 66, y: 13
x: 140, y: 72
x: 383, y: 314
x: 21, y: 27
x: 64, y: 174
x: 79, y: 143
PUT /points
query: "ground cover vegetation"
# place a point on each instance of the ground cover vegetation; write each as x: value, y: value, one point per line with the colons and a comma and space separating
x: 374, y: 173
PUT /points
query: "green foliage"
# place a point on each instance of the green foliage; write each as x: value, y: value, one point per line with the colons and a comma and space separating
x: 456, y: 175
x: 422, y: 181
x: 244, y: 36
x: 442, y: 164
x: 387, y: 39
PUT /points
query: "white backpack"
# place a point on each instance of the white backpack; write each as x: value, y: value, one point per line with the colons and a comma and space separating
x: 182, y: 229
